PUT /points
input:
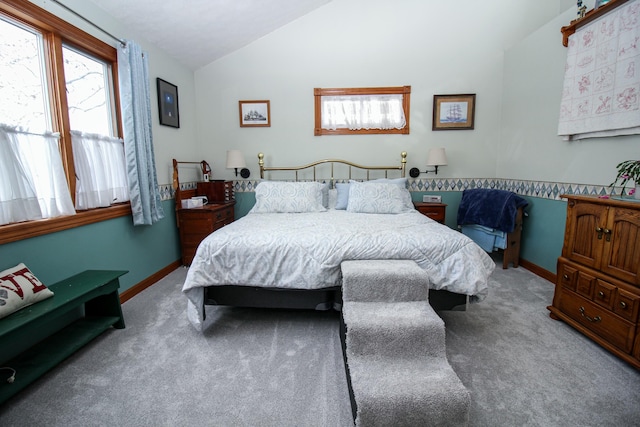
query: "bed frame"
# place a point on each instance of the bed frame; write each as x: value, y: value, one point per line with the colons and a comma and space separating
x: 316, y: 299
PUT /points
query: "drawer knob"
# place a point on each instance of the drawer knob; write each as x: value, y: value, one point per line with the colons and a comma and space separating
x: 565, y: 276
x: 623, y: 304
x: 601, y: 294
x: 590, y: 319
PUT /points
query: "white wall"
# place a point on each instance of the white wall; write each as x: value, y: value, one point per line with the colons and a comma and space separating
x: 436, y: 47
x: 168, y: 142
x: 529, y: 145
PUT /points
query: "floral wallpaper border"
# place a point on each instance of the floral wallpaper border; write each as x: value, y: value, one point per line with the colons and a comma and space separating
x: 542, y: 189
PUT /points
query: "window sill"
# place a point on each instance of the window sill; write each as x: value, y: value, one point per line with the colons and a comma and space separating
x: 24, y: 230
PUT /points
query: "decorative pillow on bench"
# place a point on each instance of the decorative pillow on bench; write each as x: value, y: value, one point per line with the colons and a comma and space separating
x: 19, y: 288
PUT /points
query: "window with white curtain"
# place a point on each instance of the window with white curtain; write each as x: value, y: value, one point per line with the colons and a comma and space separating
x: 60, y: 150
x: 362, y: 110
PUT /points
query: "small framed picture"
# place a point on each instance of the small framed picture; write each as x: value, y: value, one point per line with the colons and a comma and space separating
x: 168, y: 103
x: 454, y: 112
x: 255, y: 113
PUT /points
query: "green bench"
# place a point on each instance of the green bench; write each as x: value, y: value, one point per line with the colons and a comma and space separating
x: 89, y: 299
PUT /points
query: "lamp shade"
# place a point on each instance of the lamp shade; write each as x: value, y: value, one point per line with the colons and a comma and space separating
x: 436, y: 157
x: 235, y: 159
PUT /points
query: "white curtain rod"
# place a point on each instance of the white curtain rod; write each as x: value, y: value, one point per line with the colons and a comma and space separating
x: 122, y: 42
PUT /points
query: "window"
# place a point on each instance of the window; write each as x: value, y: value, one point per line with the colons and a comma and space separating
x: 383, y: 110
x: 89, y: 92
x: 61, y: 128
x: 22, y: 71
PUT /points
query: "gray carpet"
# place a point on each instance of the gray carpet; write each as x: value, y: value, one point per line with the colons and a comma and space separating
x: 285, y: 368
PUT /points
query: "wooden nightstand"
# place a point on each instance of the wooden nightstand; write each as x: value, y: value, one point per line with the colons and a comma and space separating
x: 435, y: 211
x: 197, y: 223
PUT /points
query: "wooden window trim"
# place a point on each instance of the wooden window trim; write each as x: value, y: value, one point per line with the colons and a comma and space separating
x: 318, y: 93
x: 56, y: 32
x: 24, y: 230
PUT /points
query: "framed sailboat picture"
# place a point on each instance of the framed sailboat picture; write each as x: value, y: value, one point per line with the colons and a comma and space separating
x: 454, y: 112
x: 255, y: 113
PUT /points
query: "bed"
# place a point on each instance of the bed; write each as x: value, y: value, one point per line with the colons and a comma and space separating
x: 286, y: 252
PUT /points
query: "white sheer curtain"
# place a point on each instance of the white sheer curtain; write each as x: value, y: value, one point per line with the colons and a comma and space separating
x: 363, y: 112
x: 135, y: 99
x: 32, y: 179
x: 101, y: 178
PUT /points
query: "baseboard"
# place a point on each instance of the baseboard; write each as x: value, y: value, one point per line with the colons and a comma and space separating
x: 136, y: 289
x: 539, y: 271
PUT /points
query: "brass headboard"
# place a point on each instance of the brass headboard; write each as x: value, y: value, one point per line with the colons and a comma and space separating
x: 386, y: 169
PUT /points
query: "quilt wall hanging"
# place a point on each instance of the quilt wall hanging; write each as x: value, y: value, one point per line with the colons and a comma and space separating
x: 601, y: 92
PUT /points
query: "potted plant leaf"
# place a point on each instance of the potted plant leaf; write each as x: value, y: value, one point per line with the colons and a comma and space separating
x: 628, y: 170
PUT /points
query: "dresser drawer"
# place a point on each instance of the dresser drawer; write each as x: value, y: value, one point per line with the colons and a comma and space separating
x: 585, y: 285
x: 604, y: 294
x: 626, y: 305
x: 567, y: 276
x: 599, y: 320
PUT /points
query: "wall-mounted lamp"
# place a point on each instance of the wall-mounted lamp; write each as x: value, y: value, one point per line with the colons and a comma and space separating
x: 435, y: 157
x: 235, y: 160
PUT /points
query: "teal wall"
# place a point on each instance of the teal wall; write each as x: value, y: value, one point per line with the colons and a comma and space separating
x: 108, y: 245
x: 143, y: 251
x: 542, y: 233
x: 244, y: 203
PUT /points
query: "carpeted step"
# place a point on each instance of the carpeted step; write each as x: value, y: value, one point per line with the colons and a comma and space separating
x: 395, y: 329
x: 419, y: 392
x: 394, y: 345
x: 384, y: 280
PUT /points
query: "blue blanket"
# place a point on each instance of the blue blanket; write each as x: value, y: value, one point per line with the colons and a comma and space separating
x: 491, y: 208
x: 487, y: 238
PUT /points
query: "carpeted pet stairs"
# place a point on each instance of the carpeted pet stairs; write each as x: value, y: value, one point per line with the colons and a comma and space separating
x: 398, y: 372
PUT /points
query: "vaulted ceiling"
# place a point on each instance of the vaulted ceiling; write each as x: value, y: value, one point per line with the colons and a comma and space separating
x: 197, y: 32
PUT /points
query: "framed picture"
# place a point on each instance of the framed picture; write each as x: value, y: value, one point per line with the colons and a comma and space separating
x: 255, y: 113
x: 454, y: 112
x: 168, y: 104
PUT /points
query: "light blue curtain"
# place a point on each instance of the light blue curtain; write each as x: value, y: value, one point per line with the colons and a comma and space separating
x: 135, y: 99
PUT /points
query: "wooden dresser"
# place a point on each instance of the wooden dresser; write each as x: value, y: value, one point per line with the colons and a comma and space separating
x: 598, y: 285
x: 197, y: 223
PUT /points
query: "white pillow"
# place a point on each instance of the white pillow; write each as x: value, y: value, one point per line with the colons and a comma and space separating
x: 343, y: 190
x: 288, y: 197
x: 19, y: 288
x: 378, y: 198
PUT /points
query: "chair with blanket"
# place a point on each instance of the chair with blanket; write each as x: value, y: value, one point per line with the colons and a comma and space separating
x: 493, y: 219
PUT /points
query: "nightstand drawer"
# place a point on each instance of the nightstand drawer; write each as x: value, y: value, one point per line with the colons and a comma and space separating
x: 435, y: 211
x: 224, y: 216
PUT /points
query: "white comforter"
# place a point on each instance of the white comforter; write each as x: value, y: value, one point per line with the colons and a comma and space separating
x: 304, y: 251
